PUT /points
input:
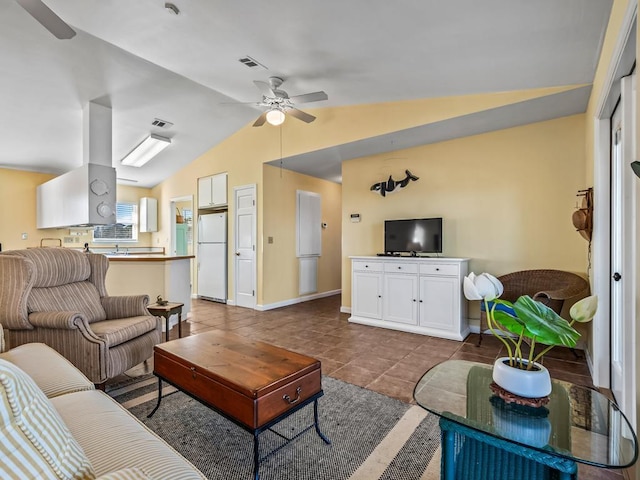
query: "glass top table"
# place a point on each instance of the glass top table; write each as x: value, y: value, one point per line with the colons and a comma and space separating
x: 578, y: 423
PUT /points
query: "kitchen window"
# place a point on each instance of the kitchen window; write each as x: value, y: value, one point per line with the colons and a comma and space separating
x: 126, y: 228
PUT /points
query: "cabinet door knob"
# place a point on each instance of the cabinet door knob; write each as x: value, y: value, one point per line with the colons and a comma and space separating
x: 379, y: 296
x: 399, y: 268
x: 420, y: 301
x: 366, y: 266
x: 414, y: 300
x: 437, y: 269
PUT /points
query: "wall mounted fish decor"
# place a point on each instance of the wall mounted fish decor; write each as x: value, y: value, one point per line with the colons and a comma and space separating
x: 392, y: 186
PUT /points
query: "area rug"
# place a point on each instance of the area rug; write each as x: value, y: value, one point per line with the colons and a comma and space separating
x: 372, y: 436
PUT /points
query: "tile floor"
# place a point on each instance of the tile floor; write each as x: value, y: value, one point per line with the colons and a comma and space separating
x: 386, y: 361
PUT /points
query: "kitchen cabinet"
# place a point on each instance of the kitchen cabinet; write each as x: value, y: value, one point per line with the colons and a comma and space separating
x: 148, y: 215
x: 212, y: 191
x: 413, y: 294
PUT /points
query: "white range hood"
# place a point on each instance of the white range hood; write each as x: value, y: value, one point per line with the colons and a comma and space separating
x: 87, y: 195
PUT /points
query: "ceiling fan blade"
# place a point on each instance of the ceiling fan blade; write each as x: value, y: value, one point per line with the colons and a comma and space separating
x: 257, y: 104
x: 309, y: 97
x: 48, y: 18
x: 300, y: 115
x: 260, y: 120
x: 265, y: 88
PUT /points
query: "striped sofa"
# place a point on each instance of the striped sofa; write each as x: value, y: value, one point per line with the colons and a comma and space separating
x: 55, y: 424
x: 57, y: 296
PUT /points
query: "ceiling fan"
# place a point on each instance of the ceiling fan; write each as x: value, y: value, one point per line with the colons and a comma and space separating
x: 47, y: 18
x: 279, y: 103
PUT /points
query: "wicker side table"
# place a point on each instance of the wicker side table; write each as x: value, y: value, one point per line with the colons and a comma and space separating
x: 468, y: 453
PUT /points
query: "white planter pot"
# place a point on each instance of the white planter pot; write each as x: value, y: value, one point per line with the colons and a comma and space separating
x: 533, y: 383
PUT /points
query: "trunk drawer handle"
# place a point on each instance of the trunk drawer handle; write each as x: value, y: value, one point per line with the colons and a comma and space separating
x: 193, y: 372
x: 287, y: 398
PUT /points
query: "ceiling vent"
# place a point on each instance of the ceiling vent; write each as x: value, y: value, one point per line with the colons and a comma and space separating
x: 161, y: 123
x: 251, y: 62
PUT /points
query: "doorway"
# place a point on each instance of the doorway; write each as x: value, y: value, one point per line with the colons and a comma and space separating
x: 614, y: 275
x: 181, y: 221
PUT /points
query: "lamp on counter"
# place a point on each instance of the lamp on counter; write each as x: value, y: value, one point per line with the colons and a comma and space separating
x: 275, y: 117
x: 635, y: 166
x: 145, y: 151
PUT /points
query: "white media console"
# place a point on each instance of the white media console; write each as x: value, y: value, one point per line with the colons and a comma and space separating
x: 412, y: 294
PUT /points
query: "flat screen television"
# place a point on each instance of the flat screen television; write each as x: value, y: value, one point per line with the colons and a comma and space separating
x: 418, y: 235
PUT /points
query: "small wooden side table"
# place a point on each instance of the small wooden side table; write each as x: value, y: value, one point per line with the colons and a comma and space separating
x: 166, y: 311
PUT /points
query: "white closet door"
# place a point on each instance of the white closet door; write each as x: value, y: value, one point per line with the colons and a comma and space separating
x: 308, y: 224
x: 308, y: 275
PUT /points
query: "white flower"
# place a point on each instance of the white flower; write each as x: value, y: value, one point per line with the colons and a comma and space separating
x: 482, y: 287
x: 585, y: 309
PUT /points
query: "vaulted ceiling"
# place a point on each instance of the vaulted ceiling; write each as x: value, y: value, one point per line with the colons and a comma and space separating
x: 148, y: 63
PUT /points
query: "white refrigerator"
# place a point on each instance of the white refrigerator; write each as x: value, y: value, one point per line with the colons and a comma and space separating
x: 212, y: 256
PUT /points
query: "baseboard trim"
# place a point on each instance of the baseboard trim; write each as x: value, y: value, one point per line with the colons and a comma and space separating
x: 293, y: 301
x: 344, y: 309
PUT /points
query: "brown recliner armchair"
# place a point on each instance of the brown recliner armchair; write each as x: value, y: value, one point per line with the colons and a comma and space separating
x: 551, y: 287
x: 57, y: 296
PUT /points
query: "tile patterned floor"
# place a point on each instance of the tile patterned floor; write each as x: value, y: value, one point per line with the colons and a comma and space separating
x: 386, y: 361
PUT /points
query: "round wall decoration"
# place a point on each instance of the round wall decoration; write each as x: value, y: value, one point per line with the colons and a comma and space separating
x: 582, y: 218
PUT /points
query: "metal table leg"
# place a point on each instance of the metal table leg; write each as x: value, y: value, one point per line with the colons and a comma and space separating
x: 256, y: 455
x: 315, y: 423
x: 159, y: 398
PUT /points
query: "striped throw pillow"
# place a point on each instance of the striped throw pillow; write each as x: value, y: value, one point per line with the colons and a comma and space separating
x: 34, y: 441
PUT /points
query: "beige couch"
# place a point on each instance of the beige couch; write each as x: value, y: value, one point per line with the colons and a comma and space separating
x: 84, y: 430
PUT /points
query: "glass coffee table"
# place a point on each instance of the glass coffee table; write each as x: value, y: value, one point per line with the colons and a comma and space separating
x: 485, y: 438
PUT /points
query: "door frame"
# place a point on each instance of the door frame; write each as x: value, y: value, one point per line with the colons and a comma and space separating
x: 620, y: 66
x: 172, y: 220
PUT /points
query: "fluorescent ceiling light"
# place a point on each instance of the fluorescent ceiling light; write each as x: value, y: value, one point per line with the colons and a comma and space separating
x: 149, y: 148
x: 275, y: 117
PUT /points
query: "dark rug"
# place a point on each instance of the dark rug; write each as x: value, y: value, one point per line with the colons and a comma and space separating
x: 356, y: 420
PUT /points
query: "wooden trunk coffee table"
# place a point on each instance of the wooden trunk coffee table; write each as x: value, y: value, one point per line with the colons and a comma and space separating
x: 253, y: 384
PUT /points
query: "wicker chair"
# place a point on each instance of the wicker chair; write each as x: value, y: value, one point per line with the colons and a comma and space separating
x: 551, y: 287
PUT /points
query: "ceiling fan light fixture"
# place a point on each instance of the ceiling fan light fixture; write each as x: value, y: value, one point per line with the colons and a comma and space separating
x: 145, y: 151
x: 275, y: 117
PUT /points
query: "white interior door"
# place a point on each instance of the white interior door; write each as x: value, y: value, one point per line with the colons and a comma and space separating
x: 623, y: 249
x: 245, y: 246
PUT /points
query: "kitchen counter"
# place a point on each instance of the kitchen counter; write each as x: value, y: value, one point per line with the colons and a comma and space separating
x: 152, y: 274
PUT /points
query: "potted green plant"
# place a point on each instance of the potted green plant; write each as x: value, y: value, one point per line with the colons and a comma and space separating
x: 525, y: 318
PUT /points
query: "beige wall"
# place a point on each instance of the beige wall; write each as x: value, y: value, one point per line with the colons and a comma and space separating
x: 18, y: 212
x: 280, y: 224
x: 243, y: 153
x: 506, y: 198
